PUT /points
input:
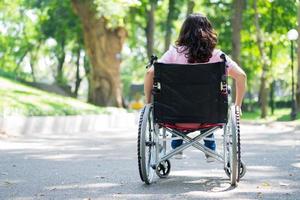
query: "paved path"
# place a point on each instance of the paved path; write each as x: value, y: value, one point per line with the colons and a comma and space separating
x: 103, y: 165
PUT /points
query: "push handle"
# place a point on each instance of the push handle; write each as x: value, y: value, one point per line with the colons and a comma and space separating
x: 152, y: 60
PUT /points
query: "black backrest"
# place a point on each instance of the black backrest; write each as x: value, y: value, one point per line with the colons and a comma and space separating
x: 190, y: 93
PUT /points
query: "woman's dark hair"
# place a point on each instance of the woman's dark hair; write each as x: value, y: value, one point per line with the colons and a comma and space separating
x: 198, y: 39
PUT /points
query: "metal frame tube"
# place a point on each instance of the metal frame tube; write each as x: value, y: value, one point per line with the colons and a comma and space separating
x: 192, y: 142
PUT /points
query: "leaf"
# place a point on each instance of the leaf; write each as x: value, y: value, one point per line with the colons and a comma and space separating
x: 265, y: 184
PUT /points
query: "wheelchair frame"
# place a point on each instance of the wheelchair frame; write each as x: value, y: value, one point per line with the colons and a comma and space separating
x: 152, y: 145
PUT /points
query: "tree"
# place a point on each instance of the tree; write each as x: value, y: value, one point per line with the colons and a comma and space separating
x: 219, y: 13
x: 190, y: 7
x: 174, y: 8
x: 103, y: 39
x: 272, y: 85
x: 263, y: 91
x: 150, y: 27
x: 61, y: 24
x: 237, y: 17
x: 298, y: 55
x: 170, y: 17
x: 19, y: 38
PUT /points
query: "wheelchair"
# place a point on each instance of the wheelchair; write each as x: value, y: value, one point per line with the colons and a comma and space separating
x: 191, y: 93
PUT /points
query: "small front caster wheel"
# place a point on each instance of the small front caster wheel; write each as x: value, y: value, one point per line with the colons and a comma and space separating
x: 243, y: 169
x: 163, y: 169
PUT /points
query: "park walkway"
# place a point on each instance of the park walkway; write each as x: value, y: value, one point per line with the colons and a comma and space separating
x: 103, y: 165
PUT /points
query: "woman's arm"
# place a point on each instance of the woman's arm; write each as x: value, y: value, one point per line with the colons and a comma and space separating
x: 148, y: 84
x: 240, y: 78
x: 148, y: 80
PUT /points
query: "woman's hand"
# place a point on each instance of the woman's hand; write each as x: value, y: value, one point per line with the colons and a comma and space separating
x: 240, y: 83
x: 239, y: 110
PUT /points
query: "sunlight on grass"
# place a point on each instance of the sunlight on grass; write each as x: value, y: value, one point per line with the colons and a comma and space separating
x: 280, y: 114
x: 19, y: 99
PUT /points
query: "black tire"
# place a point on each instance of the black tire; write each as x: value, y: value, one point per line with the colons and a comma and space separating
x: 232, y: 134
x: 243, y: 169
x: 163, y: 169
x: 146, y: 145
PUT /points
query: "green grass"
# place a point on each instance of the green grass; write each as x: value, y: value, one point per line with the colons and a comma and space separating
x: 19, y: 99
x: 280, y: 114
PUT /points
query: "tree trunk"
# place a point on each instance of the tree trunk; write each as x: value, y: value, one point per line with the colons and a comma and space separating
x: 150, y: 28
x: 103, y: 47
x: 237, y: 17
x: 263, y: 91
x: 236, y: 29
x: 61, y: 60
x: 18, y: 65
x: 190, y: 7
x: 272, y: 85
x: 33, y: 58
x: 78, y: 78
x: 31, y: 64
x: 87, y: 69
x: 169, y: 22
x: 298, y: 55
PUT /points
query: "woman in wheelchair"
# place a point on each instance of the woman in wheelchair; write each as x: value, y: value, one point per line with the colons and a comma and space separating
x: 196, y: 44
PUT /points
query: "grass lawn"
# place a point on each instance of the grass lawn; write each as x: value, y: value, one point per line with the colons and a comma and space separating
x: 280, y: 114
x: 19, y: 99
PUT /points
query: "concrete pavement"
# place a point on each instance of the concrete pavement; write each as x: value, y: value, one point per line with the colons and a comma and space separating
x: 103, y: 165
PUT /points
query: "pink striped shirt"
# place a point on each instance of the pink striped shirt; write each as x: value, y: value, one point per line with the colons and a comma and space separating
x: 173, y: 56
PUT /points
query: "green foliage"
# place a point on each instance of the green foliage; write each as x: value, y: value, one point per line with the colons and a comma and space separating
x: 135, y: 53
x: 114, y: 10
x: 61, y: 24
x: 18, y: 34
x: 284, y: 18
x: 219, y: 13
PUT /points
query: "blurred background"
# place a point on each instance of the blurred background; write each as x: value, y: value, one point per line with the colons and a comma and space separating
x: 75, y: 57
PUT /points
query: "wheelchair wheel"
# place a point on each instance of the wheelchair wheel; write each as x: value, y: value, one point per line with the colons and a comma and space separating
x: 232, y: 153
x: 243, y: 169
x: 163, y: 169
x: 146, y: 147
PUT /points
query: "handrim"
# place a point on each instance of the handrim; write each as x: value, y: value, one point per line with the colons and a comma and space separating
x: 146, y: 153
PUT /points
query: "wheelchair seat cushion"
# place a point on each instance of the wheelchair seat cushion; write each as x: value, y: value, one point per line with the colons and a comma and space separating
x: 190, y: 126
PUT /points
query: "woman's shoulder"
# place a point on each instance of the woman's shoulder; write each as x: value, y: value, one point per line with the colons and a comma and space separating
x: 216, y: 55
x: 176, y: 49
x: 169, y: 55
x: 217, y: 52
